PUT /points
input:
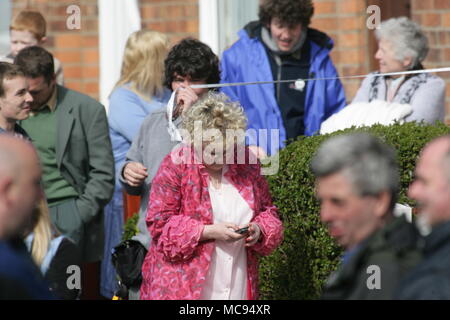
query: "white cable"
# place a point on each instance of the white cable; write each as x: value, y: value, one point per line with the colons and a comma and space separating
x: 301, y: 81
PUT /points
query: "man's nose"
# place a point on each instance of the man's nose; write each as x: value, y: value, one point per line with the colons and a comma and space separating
x: 28, y: 97
x: 326, y: 214
x: 286, y: 33
x: 413, y: 190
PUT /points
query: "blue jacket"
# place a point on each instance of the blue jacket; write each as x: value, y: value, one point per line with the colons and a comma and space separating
x: 19, y: 277
x: 247, y: 61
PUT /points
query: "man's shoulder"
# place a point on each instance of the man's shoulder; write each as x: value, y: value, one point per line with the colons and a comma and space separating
x: 248, y: 36
x: 69, y: 95
x: 157, y: 117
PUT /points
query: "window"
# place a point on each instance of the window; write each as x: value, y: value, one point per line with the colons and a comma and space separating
x: 5, y: 9
x: 220, y: 21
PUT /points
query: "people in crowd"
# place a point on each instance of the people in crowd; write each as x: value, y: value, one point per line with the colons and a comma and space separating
x: 282, y: 46
x: 403, y: 46
x: 198, y: 206
x: 20, y: 176
x: 15, y: 99
x: 357, y: 184
x: 27, y: 29
x: 138, y: 92
x: 70, y: 132
x: 189, y: 62
x: 430, y: 279
x: 53, y: 253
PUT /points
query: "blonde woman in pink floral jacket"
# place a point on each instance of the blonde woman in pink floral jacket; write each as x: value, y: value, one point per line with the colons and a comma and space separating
x: 200, y: 198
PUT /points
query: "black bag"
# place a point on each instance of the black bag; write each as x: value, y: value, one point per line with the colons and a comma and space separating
x: 128, y: 258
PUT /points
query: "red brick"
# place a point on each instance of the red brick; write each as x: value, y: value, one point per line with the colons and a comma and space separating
x: 150, y: 12
x: 68, y: 56
x: 192, y: 26
x: 431, y: 20
x: 327, y: 7
x: 446, y: 19
x: 350, y: 56
x: 191, y: 11
x: 90, y: 41
x: 352, y: 6
x: 72, y: 72
x: 434, y: 55
x: 90, y: 72
x: 349, y: 40
x: 351, y: 87
x: 174, y: 12
x: 59, y: 25
x: 90, y: 88
x: 422, y: 5
x: 68, y: 40
x: 90, y: 56
x: 324, y: 24
x: 71, y: 84
x: 442, y: 4
x: 446, y: 54
x: 352, y: 23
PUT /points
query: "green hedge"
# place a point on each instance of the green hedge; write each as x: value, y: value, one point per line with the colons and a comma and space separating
x: 298, y: 268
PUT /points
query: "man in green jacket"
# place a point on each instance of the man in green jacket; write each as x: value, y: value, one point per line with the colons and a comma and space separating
x: 70, y: 133
x: 357, y: 183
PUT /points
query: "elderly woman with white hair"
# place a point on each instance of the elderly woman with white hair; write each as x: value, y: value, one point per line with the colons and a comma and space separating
x: 402, y: 46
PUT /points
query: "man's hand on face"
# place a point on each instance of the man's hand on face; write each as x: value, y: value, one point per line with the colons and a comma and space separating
x: 185, y: 98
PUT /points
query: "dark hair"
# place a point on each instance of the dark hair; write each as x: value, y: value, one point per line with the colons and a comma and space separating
x: 193, y: 58
x: 289, y: 12
x: 8, y: 71
x: 36, y: 62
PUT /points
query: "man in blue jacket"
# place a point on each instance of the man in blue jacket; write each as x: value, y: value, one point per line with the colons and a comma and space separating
x: 280, y: 46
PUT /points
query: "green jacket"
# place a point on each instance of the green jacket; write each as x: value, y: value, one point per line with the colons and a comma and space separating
x: 85, y: 159
x: 387, y: 254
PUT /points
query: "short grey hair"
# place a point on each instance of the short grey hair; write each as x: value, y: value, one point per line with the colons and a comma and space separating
x: 369, y: 164
x: 406, y: 38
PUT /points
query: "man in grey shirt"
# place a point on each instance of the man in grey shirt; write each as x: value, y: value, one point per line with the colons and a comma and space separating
x: 189, y: 62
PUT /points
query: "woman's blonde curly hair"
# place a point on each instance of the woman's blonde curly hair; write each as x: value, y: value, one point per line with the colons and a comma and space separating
x: 214, y: 111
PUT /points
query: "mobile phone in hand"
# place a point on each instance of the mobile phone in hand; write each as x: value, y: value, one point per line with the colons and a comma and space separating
x: 242, y: 230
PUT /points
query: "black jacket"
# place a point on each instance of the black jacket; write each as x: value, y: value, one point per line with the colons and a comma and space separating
x: 392, y: 250
x: 431, y: 278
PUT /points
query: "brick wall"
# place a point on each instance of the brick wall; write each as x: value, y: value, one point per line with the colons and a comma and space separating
x: 434, y: 17
x: 78, y: 49
x: 344, y: 21
x: 179, y: 19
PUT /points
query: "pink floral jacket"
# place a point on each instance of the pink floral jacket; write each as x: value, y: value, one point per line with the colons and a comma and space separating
x: 177, y: 263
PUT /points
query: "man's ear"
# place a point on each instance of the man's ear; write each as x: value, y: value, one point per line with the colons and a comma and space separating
x: 382, y: 203
x: 6, y: 187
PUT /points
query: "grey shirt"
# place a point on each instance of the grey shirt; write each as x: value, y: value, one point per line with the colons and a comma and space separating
x: 424, y: 92
x: 149, y: 147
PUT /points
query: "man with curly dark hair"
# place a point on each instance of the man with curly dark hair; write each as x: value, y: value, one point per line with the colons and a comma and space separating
x: 188, y: 62
x: 281, y: 46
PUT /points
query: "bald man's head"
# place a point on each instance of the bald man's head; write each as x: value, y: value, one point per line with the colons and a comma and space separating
x: 20, y: 176
x: 431, y: 188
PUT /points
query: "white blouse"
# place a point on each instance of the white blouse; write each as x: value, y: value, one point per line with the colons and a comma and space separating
x: 227, y: 276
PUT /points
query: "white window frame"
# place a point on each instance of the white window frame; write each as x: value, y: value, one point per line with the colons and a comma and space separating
x: 5, y: 20
x: 220, y: 21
